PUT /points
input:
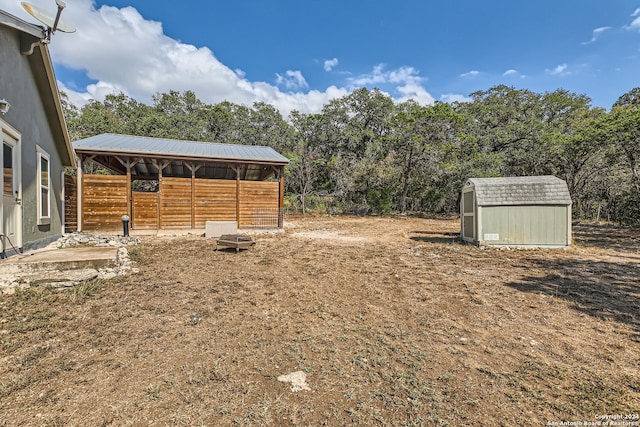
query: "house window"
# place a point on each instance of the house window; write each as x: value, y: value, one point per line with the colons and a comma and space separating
x: 44, y: 193
x: 7, y: 155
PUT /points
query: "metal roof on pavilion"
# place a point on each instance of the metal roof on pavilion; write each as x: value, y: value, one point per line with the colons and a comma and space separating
x: 145, y: 156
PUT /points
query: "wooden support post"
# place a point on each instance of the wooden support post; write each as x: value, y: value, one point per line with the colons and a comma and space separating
x: 128, y: 163
x: 129, y: 210
x: 160, y: 166
x: 193, y: 168
x: 160, y: 198
x: 79, y: 176
x: 281, y: 200
x: 86, y: 158
x: 193, y: 198
x: 237, y: 170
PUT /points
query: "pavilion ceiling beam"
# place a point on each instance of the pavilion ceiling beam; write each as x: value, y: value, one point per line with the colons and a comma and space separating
x: 193, y: 167
x: 267, y: 171
x: 106, y: 164
x: 128, y: 162
x: 160, y: 165
x: 144, y: 167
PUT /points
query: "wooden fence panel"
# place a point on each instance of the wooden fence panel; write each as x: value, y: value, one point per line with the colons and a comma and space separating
x: 70, y: 203
x: 175, y: 203
x: 259, y: 204
x: 215, y: 200
x: 144, y: 205
x: 104, y: 201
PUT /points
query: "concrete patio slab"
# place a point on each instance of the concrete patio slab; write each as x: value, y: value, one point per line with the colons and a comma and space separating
x: 57, y: 267
x: 65, y: 258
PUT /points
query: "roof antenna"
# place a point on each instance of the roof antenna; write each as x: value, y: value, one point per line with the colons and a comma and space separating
x: 52, y: 24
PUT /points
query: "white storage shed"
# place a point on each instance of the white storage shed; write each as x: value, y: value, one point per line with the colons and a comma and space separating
x: 527, y: 211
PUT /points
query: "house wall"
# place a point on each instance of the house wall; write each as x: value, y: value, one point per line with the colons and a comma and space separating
x: 27, y: 116
x: 541, y: 226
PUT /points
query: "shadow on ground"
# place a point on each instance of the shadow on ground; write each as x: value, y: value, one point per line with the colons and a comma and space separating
x: 607, y: 236
x: 605, y: 290
x: 436, y: 237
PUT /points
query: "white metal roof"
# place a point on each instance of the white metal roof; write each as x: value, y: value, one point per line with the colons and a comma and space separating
x: 161, y: 147
x: 17, y: 23
x: 520, y: 190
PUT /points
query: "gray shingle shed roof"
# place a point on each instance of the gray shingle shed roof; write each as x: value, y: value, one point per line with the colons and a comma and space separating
x: 172, y: 148
x: 521, y: 190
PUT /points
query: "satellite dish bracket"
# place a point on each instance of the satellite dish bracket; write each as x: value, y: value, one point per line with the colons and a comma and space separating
x: 61, y: 6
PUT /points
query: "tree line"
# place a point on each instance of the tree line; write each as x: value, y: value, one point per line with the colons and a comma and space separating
x: 365, y: 154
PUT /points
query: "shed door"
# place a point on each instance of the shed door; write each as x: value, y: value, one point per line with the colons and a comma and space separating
x: 11, y: 202
x: 468, y: 216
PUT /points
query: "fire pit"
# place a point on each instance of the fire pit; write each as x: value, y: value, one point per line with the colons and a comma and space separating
x: 237, y: 241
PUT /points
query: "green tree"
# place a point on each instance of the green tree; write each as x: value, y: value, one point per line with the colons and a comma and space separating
x: 624, y: 128
x: 631, y: 98
x: 268, y: 128
x: 509, y: 121
x: 220, y: 122
x: 179, y: 116
x: 353, y: 144
x: 423, y: 138
x: 624, y: 122
x: 72, y: 116
x: 305, y: 157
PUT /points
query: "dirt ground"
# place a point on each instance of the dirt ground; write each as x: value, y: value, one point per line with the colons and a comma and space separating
x: 393, y: 321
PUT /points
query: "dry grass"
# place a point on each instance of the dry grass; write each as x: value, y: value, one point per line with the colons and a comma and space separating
x: 392, y: 327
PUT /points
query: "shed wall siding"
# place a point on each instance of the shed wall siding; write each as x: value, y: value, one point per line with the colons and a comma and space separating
x: 524, y: 225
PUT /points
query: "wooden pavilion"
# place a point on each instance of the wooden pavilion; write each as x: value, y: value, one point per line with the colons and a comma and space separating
x: 188, y: 184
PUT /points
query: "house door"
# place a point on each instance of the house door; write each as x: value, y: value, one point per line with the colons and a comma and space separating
x: 11, y: 202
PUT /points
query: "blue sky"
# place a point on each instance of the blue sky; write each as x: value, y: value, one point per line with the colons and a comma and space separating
x: 300, y: 54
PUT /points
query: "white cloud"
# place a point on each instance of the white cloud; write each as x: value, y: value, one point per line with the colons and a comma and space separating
x: 292, y: 80
x: 416, y: 92
x: 596, y: 34
x: 470, y: 75
x: 560, y: 70
x: 405, y: 80
x: 75, y: 98
x: 121, y: 51
x: 454, y: 97
x: 635, y: 24
x: 330, y: 64
x: 410, y: 85
x: 377, y: 76
x: 513, y: 73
